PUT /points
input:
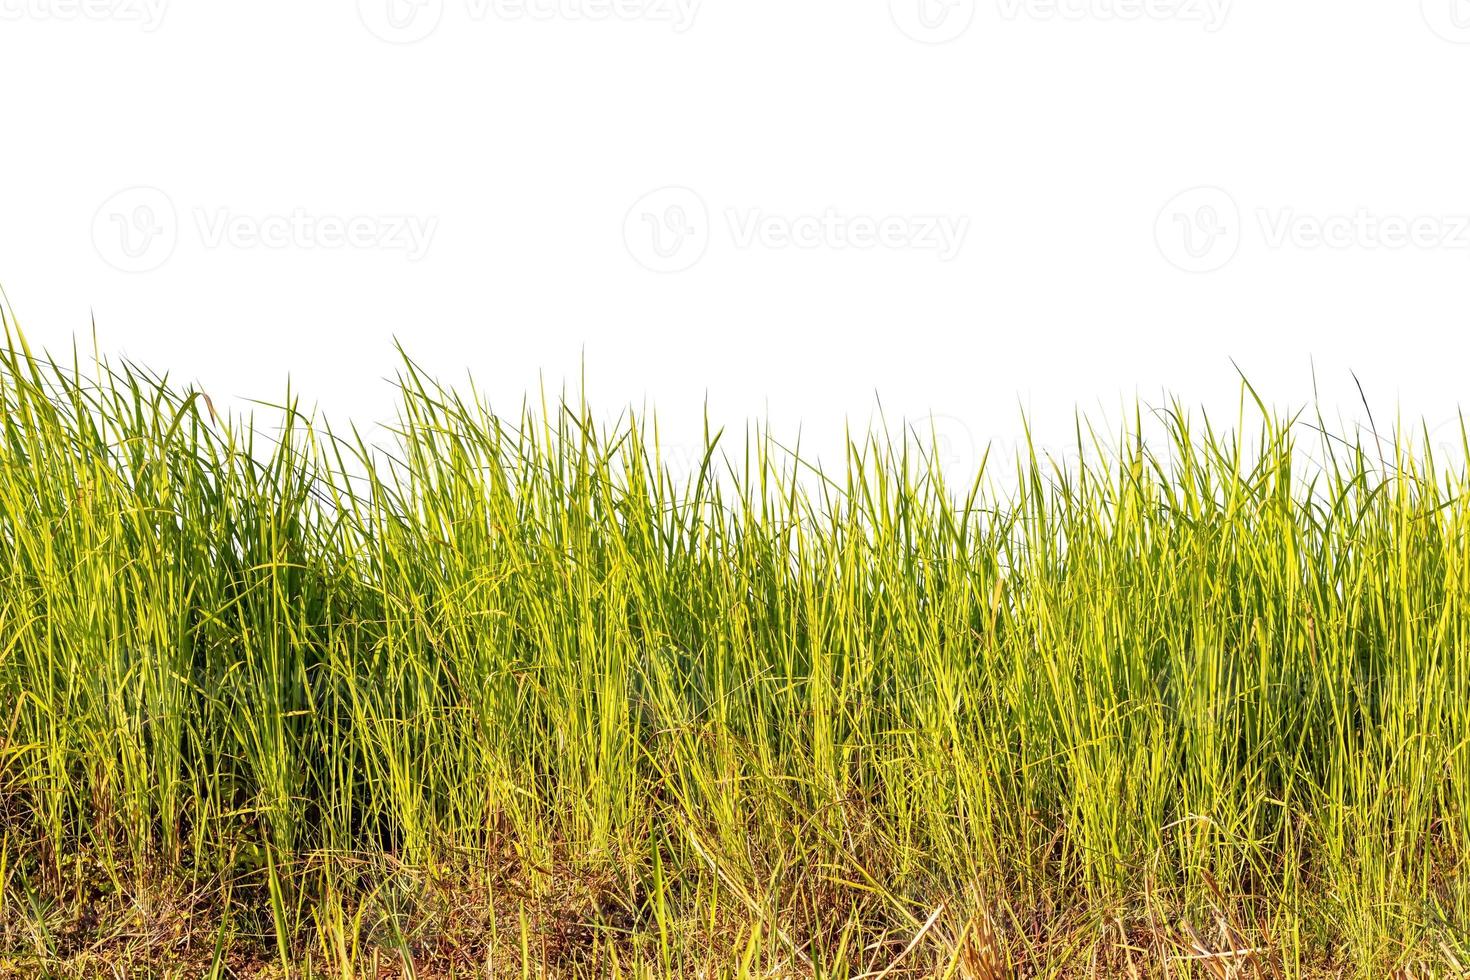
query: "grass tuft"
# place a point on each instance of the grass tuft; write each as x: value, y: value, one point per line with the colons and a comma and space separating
x: 489, y: 695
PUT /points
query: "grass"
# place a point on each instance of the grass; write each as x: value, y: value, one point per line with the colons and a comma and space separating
x: 488, y: 695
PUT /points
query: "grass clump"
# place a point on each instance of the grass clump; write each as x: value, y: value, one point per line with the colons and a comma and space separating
x: 501, y: 696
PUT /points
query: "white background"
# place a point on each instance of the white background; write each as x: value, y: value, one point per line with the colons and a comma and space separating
x: 524, y: 137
